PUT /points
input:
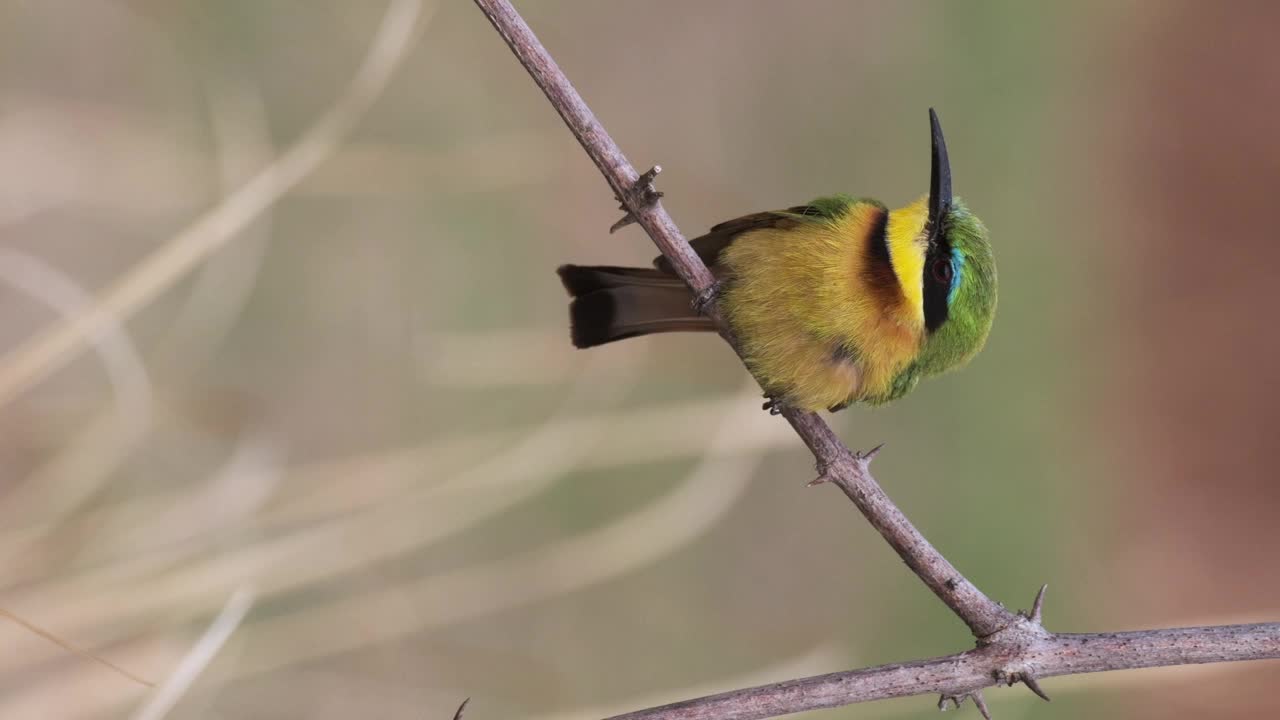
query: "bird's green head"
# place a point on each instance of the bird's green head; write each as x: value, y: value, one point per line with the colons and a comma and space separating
x: 959, y: 274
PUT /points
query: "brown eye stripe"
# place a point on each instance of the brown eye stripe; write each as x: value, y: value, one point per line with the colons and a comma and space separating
x: 878, y: 240
x: 878, y: 269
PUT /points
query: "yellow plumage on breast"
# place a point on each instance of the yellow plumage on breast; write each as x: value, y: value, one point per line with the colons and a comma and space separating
x: 821, y: 325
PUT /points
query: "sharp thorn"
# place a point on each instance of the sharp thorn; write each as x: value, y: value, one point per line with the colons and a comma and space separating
x: 824, y: 475
x: 981, y: 702
x: 625, y: 221
x: 870, y: 455
x: 1034, y: 685
x: 461, y: 709
x: 1037, y: 607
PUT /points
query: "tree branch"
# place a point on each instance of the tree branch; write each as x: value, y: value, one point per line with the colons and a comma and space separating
x: 1011, y: 647
x: 958, y: 676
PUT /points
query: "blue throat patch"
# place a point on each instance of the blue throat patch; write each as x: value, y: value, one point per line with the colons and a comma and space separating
x: 957, y: 269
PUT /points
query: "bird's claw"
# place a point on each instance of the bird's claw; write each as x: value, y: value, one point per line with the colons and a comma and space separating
x: 774, y: 406
x: 641, y: 194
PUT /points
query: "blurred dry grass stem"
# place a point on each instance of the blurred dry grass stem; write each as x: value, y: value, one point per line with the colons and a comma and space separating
x: 93, y: 657
x: 62, y: 484
x: 242, y: 142
x: 195, y: 661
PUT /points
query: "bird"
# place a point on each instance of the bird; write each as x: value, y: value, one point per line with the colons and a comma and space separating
x: 834, y: 302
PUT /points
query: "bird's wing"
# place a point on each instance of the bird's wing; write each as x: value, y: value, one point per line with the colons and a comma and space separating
x: 710, y: 245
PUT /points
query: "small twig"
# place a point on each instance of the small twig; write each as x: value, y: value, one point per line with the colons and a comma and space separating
x: 1011, y: 647
x: 461, y: 709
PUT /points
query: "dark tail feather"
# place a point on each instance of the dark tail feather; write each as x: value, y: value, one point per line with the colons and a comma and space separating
x: 612, y: 303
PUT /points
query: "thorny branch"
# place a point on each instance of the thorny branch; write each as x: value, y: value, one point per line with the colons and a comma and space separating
x: 836, y: 463
x: 960, y: 676
x: 1011, y: 647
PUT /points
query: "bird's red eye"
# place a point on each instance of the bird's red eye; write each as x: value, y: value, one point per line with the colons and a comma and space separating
x: 942, y: 271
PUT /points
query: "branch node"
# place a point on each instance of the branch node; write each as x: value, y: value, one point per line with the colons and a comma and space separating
x: 824, y: 475
x: 956, y: 699
x: 706, y: 297
x: 641, y: 194
x: 461, y: 708
x: 1024, y: 677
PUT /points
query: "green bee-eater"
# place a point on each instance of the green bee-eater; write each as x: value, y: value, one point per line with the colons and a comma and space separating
x: 838, y: 301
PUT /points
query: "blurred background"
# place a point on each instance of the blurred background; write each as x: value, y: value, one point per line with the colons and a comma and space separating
x: 286, y: 387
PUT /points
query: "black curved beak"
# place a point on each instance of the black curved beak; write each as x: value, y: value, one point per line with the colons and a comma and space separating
x: 940, y: 179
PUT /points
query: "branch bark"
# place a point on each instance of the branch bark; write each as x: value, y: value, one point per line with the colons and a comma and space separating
x: 956, y: 677
x: 1011, y: 647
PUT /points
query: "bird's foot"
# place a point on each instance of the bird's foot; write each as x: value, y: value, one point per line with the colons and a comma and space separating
x: 641, y: 194
x: 775, y: 406
x: 706, y: 297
